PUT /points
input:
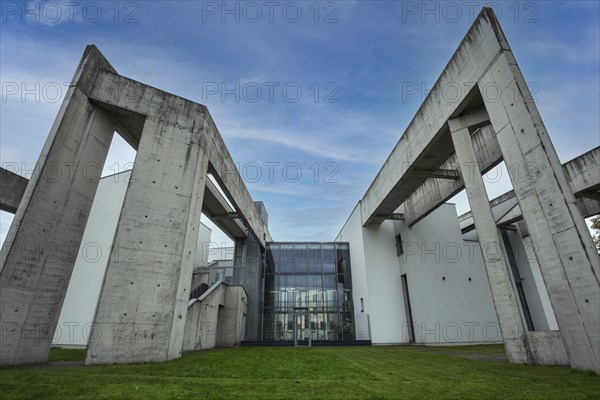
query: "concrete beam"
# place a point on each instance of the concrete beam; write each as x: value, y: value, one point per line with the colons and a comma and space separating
x: 505, y: 302
x: 12, y: 188
x: 394, y: 184
x: 215, y: 207
x: 214, y: 204
x: 397, y: 217
x: 588, y: 207
x: 583, y: 174
x: 440, y: 173
x: 580, y: 173
x: 434, y: 192
x: 112, y: 90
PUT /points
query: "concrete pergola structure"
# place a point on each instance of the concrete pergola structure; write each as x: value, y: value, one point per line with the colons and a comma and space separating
x: 143, y: 304
x: 449, y: 144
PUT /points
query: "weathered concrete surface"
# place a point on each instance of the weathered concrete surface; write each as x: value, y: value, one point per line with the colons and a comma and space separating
x: 588, y: 207
x: 249, y: 258
x: 216, y: 319
x: 547, y: 348
x: 41, y: 246
x: 12, y: 188
x: 143, y: 303
x: 215, y: 206
x: 230, y: 323
x: 203, y: 317
x: 567, y: 257
x: 583, y: 174
x: 507, y: 308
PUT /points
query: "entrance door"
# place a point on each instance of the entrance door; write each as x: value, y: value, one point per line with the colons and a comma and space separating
x: 302, y: 332
x: 409, y: 318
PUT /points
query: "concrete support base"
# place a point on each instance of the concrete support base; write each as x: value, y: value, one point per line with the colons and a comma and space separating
x: 507, y: 308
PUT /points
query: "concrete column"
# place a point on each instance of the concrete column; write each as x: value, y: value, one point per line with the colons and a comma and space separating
x: 44, y: 239
x: 143, y: 304
x: 505, y: 302
x: 248, y: 256
x: 567, y: 257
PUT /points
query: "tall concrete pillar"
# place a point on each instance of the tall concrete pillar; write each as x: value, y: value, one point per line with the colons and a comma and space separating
x: 42, y: 244
x: 505, y: 302
x: 567, y: 257
x: 142, y: 308
x: 248, y: 256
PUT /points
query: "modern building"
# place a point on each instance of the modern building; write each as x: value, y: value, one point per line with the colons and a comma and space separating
x: 307, y: 293
x: 520, y: 269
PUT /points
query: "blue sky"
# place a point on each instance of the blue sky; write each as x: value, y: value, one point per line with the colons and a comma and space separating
x: 352, y: 61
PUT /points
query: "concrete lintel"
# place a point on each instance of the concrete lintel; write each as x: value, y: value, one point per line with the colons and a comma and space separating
x: 434, y: 192
x: 583, y: 174
x: 439, y: 173
x: 213, y: 205
x: 397, y: 217
x: 590, y: 194
x: 588, y: 207
x: 230, y: 215
x: 512, y: 216
x: 12, y: 188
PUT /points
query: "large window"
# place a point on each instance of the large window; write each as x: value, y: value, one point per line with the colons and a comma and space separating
x: 301, y: 277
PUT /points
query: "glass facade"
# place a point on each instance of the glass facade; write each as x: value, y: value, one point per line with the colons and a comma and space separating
x: 307, y: 290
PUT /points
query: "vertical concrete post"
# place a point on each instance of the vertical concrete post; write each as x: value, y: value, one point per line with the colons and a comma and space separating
x: 248, y: 256
x: 43, y: 242
x: 567, y: 257
x: 505, y: 302
x: 143, y: 304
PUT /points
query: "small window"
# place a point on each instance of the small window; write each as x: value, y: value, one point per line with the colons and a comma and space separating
x: 399, y: 247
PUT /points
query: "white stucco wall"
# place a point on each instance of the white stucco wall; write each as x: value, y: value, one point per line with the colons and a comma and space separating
x: 534, y: 285
x: 450, y: 310
x: 352, y: 234
x: 77, y: 314
x: 202, y: 247
x: 449, y: 290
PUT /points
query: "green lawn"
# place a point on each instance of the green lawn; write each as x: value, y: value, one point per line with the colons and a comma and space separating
x: 287, y: 373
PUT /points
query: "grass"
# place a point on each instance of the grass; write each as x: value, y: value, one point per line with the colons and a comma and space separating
x: 315, y: 373
x: 57, y: 354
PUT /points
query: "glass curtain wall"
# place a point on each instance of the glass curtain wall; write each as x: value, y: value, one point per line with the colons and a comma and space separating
x: 313, y: 277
